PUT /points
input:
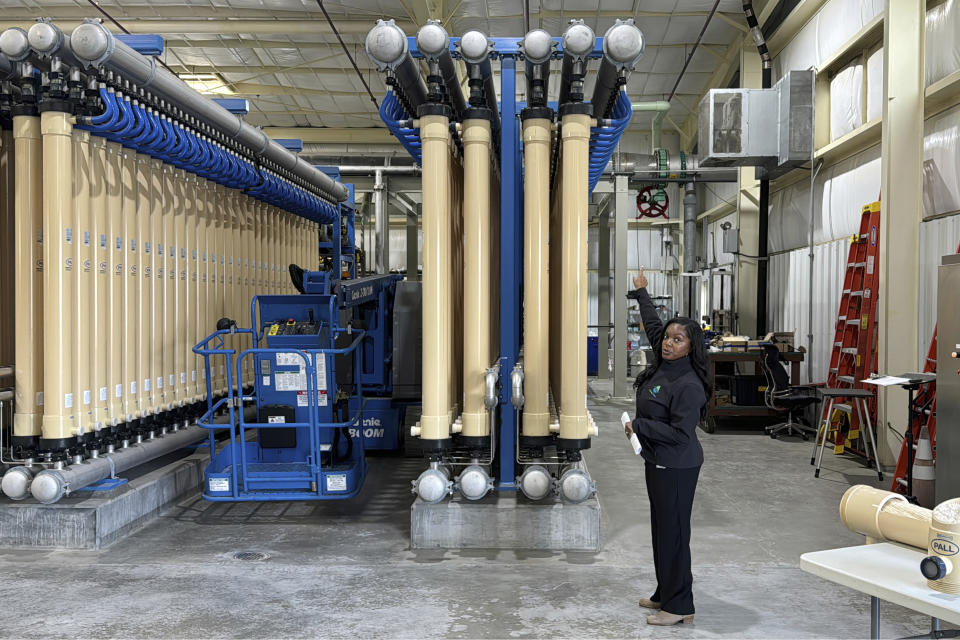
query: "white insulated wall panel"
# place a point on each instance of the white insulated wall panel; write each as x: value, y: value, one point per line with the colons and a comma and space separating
x: 942, y: 44
x: 846, y: 100
x: 941, y: 164
x: 789, y: 298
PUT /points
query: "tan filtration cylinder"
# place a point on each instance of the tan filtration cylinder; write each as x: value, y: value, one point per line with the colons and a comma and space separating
x: 258, y: 243
x: 83, y: 309
x: 220, y: 279
x: 170, y: 204
x: 190, y: 282
x: 180, y: 284
x: 115, y: 336
x: 8, y: 240
x: 131, y: 285
x: 145, y: 198
x: 456, y: 284
x: 153, y: 292
x: 101, y: 280
x: 882, y: 515
x: 28, y: 206
x: 553, y: 277
x: 59, y: 279
x: 200, y: 286
x: 536, y: 278
x: 246, y: 203
x: 203, y: 289
x: 573, y: 278
x: 437, y: 371
x: 477, y: 274
x: 229, y: 291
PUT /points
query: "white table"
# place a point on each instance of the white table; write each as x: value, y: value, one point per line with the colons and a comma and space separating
x: 884, y: 571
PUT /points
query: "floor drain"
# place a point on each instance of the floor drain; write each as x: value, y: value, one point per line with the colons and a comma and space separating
x: 250, y: 556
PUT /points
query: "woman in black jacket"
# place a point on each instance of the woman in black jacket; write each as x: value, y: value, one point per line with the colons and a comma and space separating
x: 672, y: 395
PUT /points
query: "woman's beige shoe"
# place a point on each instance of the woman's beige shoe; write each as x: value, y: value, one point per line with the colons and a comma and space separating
x: 647, y: 603
x: 665, y: 619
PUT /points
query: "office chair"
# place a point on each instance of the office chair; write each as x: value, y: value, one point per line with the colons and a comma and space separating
x: 780, y: 396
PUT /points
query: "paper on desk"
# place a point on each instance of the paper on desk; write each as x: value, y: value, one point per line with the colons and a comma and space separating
x: 634, y: 441
x: 886, y: 381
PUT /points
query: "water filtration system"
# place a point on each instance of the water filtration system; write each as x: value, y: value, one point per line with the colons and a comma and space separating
x: 506, y: 184
x: 146, y: 217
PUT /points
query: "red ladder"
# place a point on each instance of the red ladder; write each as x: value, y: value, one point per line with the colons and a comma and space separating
x: 854, y: 357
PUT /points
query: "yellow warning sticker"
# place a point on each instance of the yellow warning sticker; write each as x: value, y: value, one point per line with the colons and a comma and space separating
x: 838, y: 449
x: 864, y: 320
x: 273, y: 329
x: 854, y: 434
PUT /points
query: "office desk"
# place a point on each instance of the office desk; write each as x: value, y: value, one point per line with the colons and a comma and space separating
x: 754, y: 356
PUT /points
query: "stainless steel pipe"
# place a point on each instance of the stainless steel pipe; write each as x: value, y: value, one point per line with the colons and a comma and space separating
x: 387, y: 46
x: 95, y: 46
x: 52, y: 484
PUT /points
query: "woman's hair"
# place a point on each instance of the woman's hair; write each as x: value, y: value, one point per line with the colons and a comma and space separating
x: 698, y: 357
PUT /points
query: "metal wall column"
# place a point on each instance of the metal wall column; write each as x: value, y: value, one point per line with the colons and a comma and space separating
x: 511, y: 259
x: 621, y: 284
x: 901, y: 183
x: 603, y: 294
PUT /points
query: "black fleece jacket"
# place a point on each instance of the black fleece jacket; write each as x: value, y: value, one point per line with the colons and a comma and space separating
x: 668, y: 403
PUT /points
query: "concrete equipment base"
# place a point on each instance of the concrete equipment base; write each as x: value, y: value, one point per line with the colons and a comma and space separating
x: 86, y: 520
x: 506, y: 521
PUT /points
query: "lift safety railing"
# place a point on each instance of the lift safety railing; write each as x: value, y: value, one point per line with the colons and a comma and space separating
x: 233, y: 402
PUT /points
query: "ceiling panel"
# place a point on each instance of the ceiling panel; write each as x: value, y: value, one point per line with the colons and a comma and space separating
x: 305, y: 79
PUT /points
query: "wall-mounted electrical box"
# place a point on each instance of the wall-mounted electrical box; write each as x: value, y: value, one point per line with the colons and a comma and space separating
x: 731, y: 240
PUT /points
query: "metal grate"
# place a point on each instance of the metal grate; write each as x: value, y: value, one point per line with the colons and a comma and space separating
x: 251, y: 556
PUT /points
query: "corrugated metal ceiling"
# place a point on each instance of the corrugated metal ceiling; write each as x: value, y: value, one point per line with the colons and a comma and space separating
x: 304, y: 79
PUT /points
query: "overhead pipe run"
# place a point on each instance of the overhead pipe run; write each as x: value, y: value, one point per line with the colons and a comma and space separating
x: 387, y: 46
x: 623, y: 46
x: 538, y: 47
x: 475, y: 48
x: 578, y: 41
x: 95, y: 46
x: 433, y: 41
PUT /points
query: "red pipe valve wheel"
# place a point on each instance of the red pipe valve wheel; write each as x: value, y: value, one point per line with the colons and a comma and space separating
x: 652, y: 202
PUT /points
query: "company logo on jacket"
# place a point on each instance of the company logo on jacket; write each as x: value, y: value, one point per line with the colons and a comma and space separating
x: 654, y: 391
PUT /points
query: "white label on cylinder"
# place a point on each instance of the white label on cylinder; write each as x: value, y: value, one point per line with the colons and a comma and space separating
x: 183, y: 253
x: 173, y: 253
x: 146, y: 385
x: 86, y: 238
x: 146, y: 247
x: 133, y: 388
x: 173, y: 380
x: 183, y: 378
x: 221, y: 369
x: 193, y: 375
x: 118, y: 391
x: 68, y: 235
x: 160, y: 383
x: 103, y: 394
x: 119, y: 243
x: 103, y: 241
x: 68, y: 401
x: 160, y: 248
x: 86, y: 396
x: 133, y: 245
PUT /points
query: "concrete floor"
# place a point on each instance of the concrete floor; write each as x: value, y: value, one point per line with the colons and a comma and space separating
x: 344, y: 569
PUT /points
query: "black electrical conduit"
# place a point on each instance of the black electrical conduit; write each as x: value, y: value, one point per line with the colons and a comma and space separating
x: 764, y: 203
